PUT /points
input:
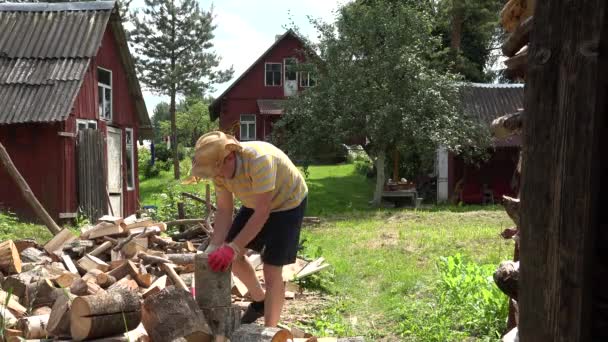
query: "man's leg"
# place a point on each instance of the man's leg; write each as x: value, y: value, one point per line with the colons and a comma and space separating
x: 243, y: 270
x: 275, y: 294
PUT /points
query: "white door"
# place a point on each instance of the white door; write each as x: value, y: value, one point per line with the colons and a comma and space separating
x: 442, y: 175
x: 290, y: 83
x: 114, y: 155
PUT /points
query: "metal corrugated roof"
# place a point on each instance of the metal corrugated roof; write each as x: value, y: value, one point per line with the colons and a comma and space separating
x: 271, y: 107
x: 50, y: 34
x: 45, y: 49
x: 37, y: 72
x: 486, y: 102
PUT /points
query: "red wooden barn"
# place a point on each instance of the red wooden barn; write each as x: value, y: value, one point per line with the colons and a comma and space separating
x: 489, y: 181
x: 251, y: 104
x: 71, y: 109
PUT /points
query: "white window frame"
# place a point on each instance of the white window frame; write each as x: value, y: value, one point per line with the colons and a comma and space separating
x: 280, y: 78
x: 307, y: 78
x: 106, y: 87
x: 285, y: 68
x: 248, y: 122
x: 86, y: 122
x: 129, y: 131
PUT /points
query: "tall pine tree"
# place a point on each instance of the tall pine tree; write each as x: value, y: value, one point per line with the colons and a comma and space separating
x: 172, y: 41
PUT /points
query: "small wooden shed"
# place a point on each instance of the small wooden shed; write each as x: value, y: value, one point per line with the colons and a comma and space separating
x: 71, y: 108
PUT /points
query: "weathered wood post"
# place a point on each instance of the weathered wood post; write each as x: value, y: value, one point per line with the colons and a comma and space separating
x: 563, y: 253
x: 213, y: 295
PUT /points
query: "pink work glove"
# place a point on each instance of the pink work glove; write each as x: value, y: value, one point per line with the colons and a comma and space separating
x: 221, y: 258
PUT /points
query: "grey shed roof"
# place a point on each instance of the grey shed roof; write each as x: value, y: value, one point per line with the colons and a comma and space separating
x: 45, y: 50
x: 487, y: 101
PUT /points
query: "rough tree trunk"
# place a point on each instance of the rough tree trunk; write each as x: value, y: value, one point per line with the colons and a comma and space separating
x: 380, y: 161
x: 174, y: 135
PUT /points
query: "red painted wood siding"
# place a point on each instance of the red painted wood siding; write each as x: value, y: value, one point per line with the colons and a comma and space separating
x: 36, y: 152
x: 242, y: 98
x: 123, y: 111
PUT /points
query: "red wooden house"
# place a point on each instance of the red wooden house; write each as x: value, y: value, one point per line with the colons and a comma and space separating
x: 251, y: 104
x: 486, y: 182
x: 66, y: 73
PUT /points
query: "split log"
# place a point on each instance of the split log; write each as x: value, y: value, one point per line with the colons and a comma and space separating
x: 10, y: 261
x: 69, y: 264
x: 104, y: 314
x: 107, y: 230
x: 126, y: 283
x: 137, y: 335
x: 152, y: 260
x: 157, y: 286
x: 506, y: 278
x: 13, y: 304
x: 34, y: 255
x: 34, y: 326
x: 26, y: 243
x: 518, y: 39
x: 83, y: 288
x: 59, y: 319
x: 41, y: 293
x: 86, y: 234
x: 27, y: 193
x: 17, y: 284
x: 172, y: 313
x: 115, y: 220
x: 512, y: 206
x: 181, y: 259
x: 213, y: 289
x: 89, y: 262
x: 507, y: 125
x: 66, y: 279
x: 519, y: 61
x: 105, y: 280
x: 134, y: 246
x: 312, y: 267
x: 127, y: 268
x: 60, y: 239
x: 177, y: 280
x: 7, y: 319
x: 134, y: 222
x: 91, y: 276
x: 101, y: 248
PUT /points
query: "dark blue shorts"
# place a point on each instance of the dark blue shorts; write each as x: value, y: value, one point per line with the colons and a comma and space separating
x: 278, y: 240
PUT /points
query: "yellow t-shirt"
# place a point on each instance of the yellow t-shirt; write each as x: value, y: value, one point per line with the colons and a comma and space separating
x: 261, y: 167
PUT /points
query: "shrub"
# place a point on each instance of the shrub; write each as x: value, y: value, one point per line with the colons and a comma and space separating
x: 167, y: 204
x: 466, y: 304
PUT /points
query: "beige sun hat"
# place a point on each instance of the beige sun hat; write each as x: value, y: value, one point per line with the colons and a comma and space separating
x: 210, y: 151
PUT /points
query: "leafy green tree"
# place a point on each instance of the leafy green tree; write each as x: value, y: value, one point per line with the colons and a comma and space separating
x: 375, y: 80
x: 470, y: 32
x: 172, y: 40
x: 160, y: 114
x: 192, y: 121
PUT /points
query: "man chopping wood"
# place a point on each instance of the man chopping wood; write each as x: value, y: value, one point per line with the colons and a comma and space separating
x: 274, y: 195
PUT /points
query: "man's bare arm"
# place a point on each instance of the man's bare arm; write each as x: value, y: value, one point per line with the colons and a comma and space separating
x: 223, y: 217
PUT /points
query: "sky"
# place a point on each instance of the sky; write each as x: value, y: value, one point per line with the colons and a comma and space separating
x: 246, y: 28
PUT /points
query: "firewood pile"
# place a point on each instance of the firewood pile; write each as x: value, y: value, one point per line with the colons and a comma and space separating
x: 116, y: 280
x: 517, y: 18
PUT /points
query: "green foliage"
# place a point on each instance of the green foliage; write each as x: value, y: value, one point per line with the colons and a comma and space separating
x: 161, y: 113
x: 173, y: 42
x: 376, y: 79
x: 192, y: 120
x: 166, y: 202
x: 467, y: 304
x: 331, y: 322
x: 480, y: 35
